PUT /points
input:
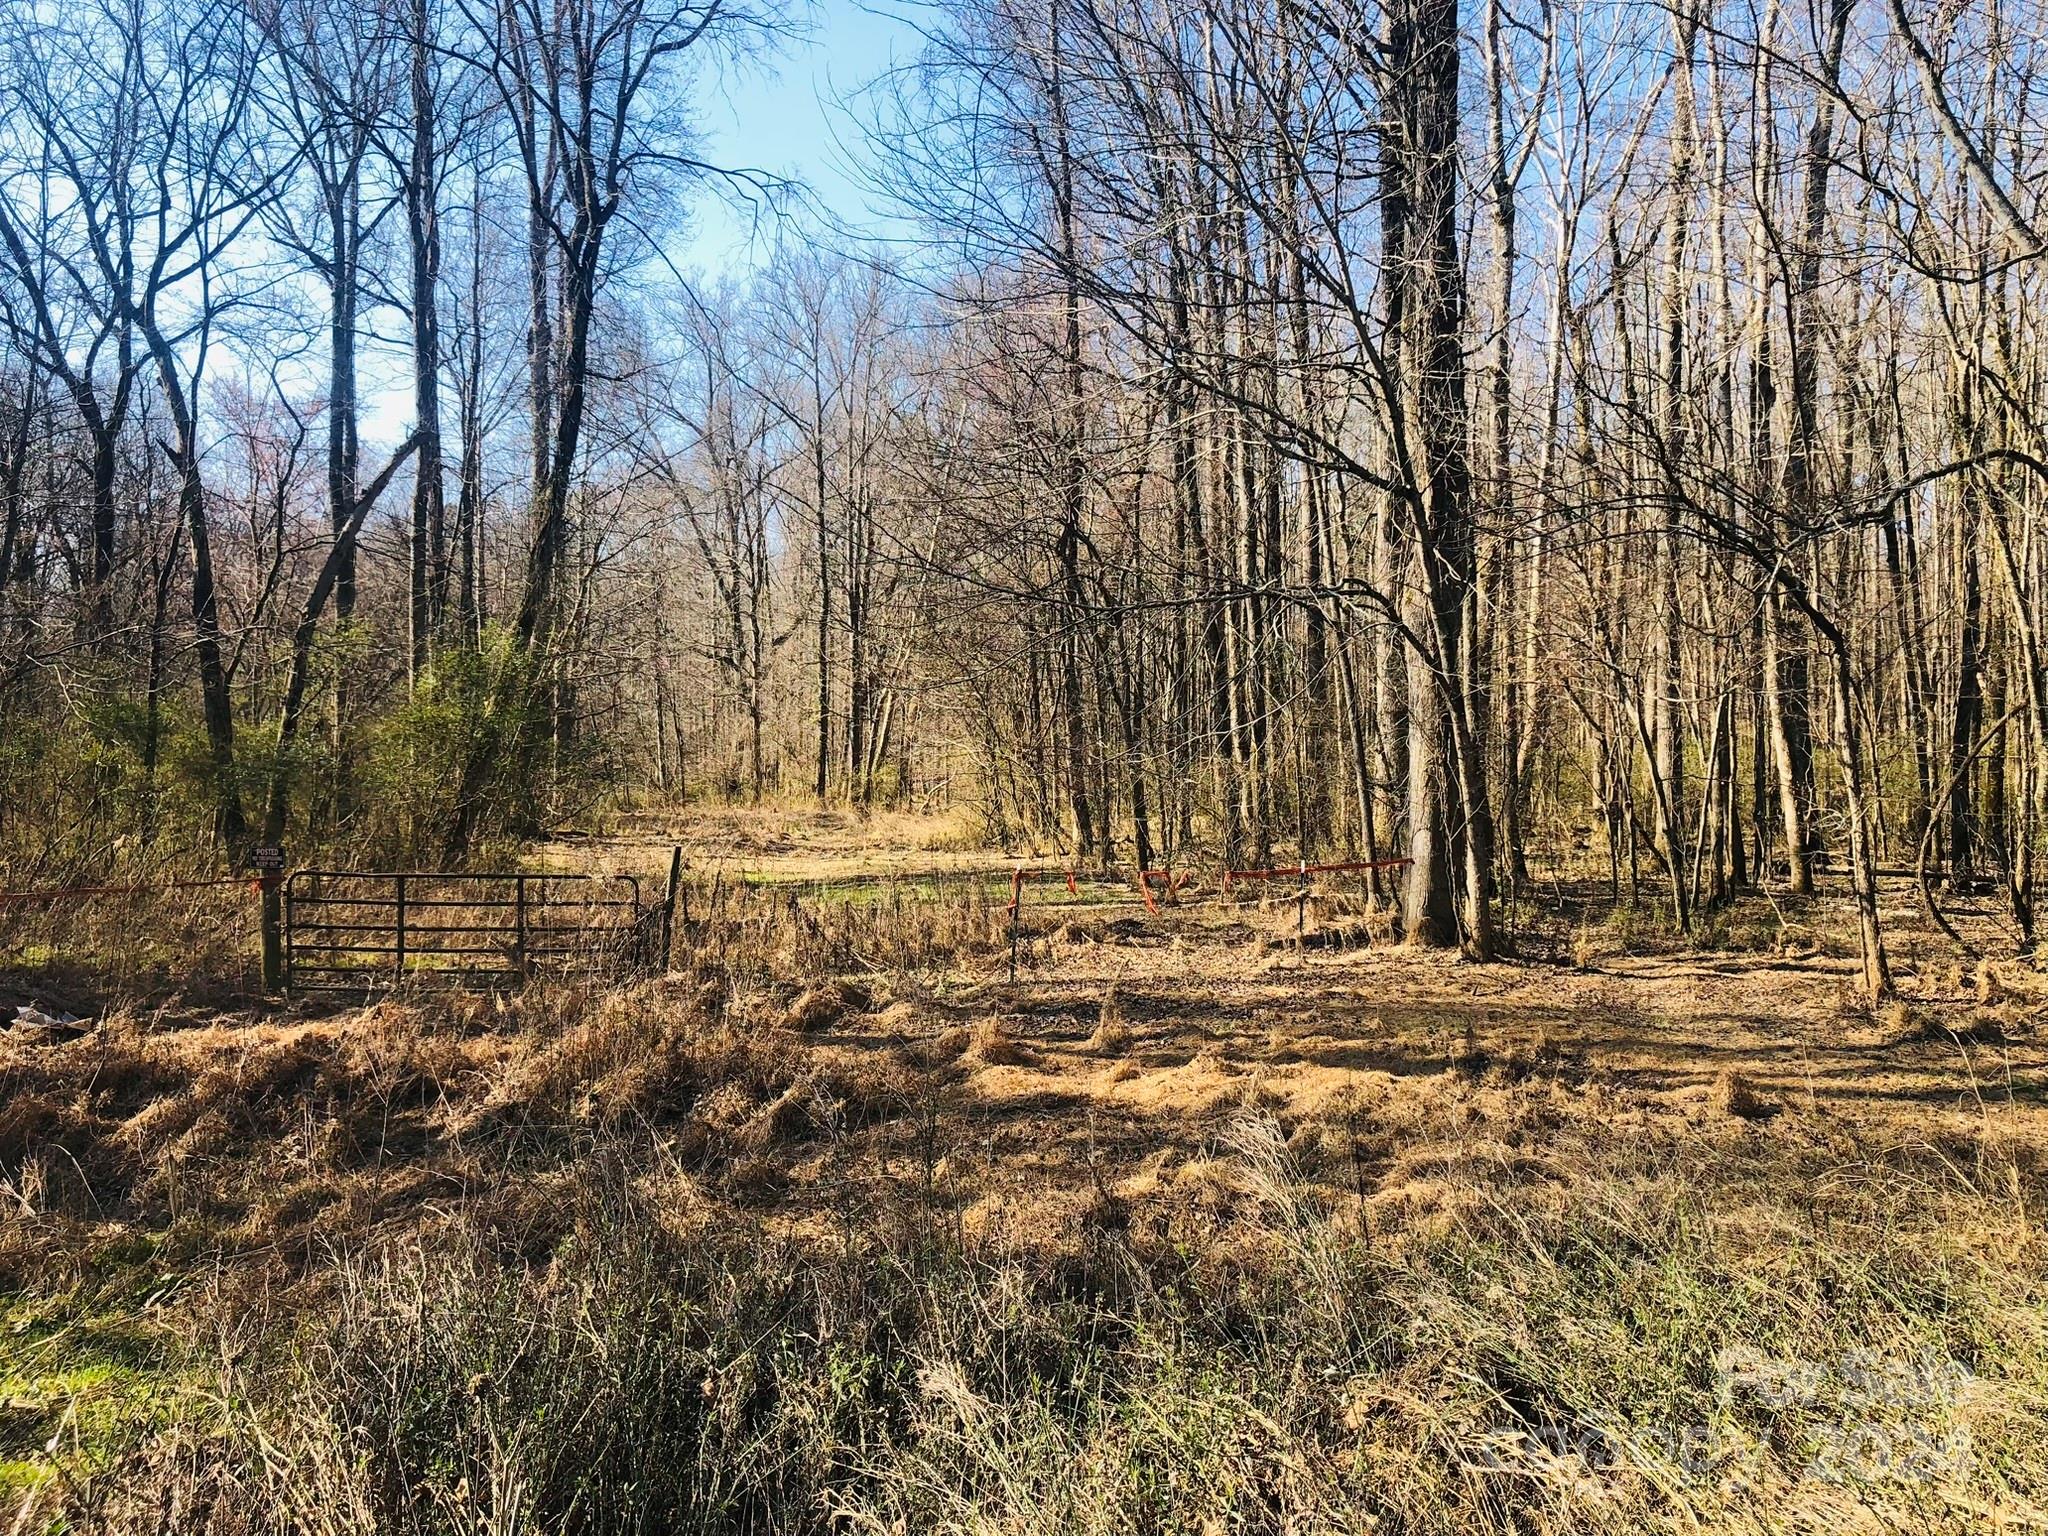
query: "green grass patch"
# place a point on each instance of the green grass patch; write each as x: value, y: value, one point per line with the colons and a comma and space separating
x: 84, y: 1377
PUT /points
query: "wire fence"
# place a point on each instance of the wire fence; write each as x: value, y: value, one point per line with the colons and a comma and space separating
x: 329, y: 930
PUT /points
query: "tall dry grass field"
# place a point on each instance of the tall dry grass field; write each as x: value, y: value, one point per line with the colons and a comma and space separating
x: 833, y: 1228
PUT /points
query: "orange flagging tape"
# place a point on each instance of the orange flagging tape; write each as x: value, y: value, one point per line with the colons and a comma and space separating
x: 1173, y: 884
x: 1020, y: 874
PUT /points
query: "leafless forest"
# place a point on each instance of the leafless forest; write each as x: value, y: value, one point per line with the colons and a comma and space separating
x: 1528, y: 437
x: 1476, y: 572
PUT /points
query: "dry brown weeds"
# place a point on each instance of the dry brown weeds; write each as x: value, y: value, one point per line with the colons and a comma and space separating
x: 781, y: 1081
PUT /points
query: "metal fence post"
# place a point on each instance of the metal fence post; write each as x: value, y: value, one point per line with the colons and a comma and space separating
x: 1016, y: 912
x: 519, y: 921
x: 398, y: 965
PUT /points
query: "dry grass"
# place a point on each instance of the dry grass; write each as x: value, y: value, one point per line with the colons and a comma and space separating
x: 1736, y: 1095
x: 1112, y: 1036
x: 199, y: 942
x: 991, y: 1042
x: 832, y: 1228
x: 821, y: 1006
x: 1602, y: 1346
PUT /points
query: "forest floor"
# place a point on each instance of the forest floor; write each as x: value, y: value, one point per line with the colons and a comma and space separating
x: 1620, y: 1234
x: 1133, y: 1035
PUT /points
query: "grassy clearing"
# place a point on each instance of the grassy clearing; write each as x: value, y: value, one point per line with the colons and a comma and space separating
x: 832, y: 1230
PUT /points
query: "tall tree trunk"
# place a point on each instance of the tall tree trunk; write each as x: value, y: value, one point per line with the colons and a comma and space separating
x: 429, y: 550
x: 1073, y: 487
x: 1668, y: 708
x: 1968, y: 719
x: 821, y: 781
x: 1444, y: 517
x: 216, y: 703
x: 1791, y: 732
x: 344, y: 215
x: 469, y: 504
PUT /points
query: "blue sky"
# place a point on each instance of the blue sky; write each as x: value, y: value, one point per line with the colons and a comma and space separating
x: 780, y: 113
x: 785, y: 115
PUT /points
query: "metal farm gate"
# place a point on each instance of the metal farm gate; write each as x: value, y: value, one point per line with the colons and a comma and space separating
x: 353, y: 931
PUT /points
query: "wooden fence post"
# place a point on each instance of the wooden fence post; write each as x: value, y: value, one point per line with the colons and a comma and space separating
x: 1301, y: 913
x: 269, y: 883
x: 668, y: 907
x: 268, y: 862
